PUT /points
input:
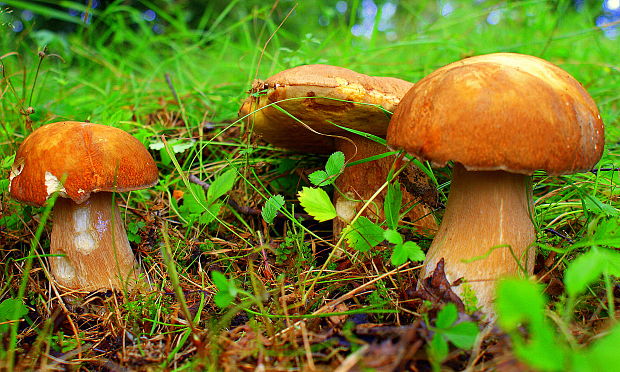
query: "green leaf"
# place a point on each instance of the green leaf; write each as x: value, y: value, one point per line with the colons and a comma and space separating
x: 393, y: 237
x: 335, y: 163
x: 11, y: 309
x: 593, y: 204
x: 607, y: 232
x: 462, y: 335
x: 391, y: 205
x: 517, y: 301
x: 363, y: 234
x: 176, y: 146
x: 4, y: 185
x: 179, y: 147
x: 7, y: 162
x: 316, y: 202
x: 588, y: 267
x: 222, y: 184
x: 407, y: 251
x: 521, y: 302
x: 210, y: 213
x: 446, y: 316
x: 536, y: 352
x: 438, y: 349
x: 226, y: 290
x: 584, y: 270
x: 271, y: 208
x: 334, y: 166
x: 602, y: 354
x: 319, y: 178
x: 195, y: 200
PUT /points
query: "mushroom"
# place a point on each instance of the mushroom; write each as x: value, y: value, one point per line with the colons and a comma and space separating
x: 320, y: 96
x: 498, y: 117
x: 85, y: 163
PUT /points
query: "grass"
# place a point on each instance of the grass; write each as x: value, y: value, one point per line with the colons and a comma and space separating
x: 179, y: 92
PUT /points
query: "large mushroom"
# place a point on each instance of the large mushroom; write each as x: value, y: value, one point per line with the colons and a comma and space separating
x: 320, y: 96
x: 498, y: 117
x: 85, y: 163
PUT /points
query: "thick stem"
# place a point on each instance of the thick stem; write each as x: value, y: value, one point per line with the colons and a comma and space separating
x: 360, y: 182
x: 487, y: 217
x: 94, y: 245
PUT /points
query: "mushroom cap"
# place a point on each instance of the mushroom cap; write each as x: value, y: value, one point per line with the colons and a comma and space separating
x: 79, y: 158
x: 318, y: 95
x: 501, y: 111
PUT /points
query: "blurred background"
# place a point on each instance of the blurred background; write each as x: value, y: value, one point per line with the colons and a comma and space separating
x: 217, y: 48
x: 371, y: 16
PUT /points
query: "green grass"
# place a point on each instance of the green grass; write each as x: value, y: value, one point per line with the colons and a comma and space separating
x: 179, y: 93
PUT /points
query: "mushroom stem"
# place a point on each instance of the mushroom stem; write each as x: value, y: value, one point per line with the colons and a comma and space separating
x: 359, y: 182
x: 487, y: 223
x: 93, y: 244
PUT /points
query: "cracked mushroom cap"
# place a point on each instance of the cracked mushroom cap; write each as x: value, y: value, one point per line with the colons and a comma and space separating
x: 88, y: 157
x: 501, y: 111
x: 316, y: 95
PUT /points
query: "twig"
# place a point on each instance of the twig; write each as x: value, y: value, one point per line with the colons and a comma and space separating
x: 557, y: 233
x: 596, y: 170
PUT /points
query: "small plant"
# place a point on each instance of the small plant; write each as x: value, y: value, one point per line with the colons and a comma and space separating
x: 11, y: 310
x: 271, y: 208
x: 447, y: 328
x: 521, y: 303
x: 226, y: 290
x: 133, y: 228
x: 203, y: 207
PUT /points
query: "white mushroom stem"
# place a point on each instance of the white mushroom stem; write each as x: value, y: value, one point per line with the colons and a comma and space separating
x: 93, y: 244
x: 358, y: 183
x: 488, y: 216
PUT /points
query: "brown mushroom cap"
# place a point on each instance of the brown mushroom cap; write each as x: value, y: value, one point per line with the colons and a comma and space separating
x: 501, y: 111
x: 337, y: 94
x: 77, y: 159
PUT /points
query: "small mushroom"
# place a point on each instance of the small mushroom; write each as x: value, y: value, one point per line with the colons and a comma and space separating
x: 85, y: 163
x: 320, y: 96
x: 498, y: 117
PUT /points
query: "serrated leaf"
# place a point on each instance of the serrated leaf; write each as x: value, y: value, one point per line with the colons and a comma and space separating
x: 593, y: 204
x: 391, y: 205
x: 179, y: 147
x: 363, y: 234
x: 335, y: 163
x: 607, y: 232
x: 319, y: 178
x: 446, y: 316
x: 221, y: 185
x: 176, y: 146
x: 156, y: 145
x: 316, y: 202
x: 393, y: 237
x: 271, y: 208
x: 407, y: 251
x: 462, y: 335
